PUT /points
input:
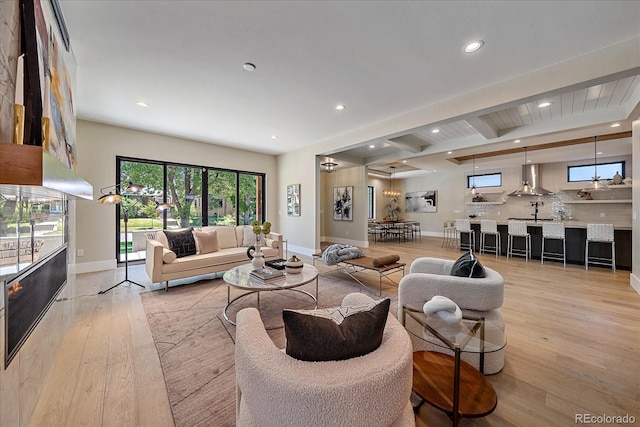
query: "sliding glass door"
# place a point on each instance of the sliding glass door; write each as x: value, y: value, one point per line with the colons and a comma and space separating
x: 138, y: 209
x: 198, y: 196
x: 250, y: 199
x: 184, y: 185
x: 222, y: 197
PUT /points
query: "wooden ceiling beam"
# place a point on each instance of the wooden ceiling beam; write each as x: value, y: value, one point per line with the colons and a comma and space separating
x: 557, y: 144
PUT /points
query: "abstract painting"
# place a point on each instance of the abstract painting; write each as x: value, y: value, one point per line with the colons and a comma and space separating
x: 421, y: 201
x: 293, y: 200
x: 343, y: 203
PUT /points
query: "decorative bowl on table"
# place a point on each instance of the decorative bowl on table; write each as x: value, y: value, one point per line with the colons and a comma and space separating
x: 293, y: 265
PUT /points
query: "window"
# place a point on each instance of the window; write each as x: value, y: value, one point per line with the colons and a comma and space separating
x: 200, y: 196
x: 372, y: 199
x: 486, y: 180
x: 587, y: 172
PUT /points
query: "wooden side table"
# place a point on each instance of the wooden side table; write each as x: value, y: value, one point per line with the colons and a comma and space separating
x: 452, y: 385
x: 445, y: 381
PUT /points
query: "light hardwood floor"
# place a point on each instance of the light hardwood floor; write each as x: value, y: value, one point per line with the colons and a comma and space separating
x: 573, y: 347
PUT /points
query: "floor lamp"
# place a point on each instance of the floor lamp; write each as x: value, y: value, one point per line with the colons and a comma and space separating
x: 114, y: 198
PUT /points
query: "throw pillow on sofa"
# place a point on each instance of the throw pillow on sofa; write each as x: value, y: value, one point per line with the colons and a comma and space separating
x: 468, y: 266
x: 206, y: 241
x: 168, y: 256
x: 337, y: 333
x: 181, y: 242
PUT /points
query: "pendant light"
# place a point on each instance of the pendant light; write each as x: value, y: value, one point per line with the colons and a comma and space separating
x: 595, y: 184
x: 329, y: 167
x: 391, y: 192
x: 524, y: 189
x: 474, y: 190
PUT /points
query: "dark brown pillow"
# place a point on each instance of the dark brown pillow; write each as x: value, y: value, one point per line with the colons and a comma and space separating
x: 335, y: 333
x: 381, y: 261
x: 468, y: 266
x: 181, y: 242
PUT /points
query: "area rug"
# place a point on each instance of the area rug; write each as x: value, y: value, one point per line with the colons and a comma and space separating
x: 196, y: 344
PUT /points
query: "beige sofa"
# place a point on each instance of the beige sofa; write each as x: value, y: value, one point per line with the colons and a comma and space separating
x: 233, y: 242
x: 274, y: 389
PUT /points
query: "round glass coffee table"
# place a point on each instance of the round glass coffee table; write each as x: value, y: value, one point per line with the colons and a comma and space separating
x: 445, y: 381
x: 240, y: 278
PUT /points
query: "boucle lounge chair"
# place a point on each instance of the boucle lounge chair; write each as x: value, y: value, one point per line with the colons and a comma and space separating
x: 274, y: 389
x: 483, y: 297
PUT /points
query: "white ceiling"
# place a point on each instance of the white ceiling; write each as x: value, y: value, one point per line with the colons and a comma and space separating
x: 383, y: 60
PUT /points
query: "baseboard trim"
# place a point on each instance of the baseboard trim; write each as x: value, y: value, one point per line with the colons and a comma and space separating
x: 634, y: 281
x: 300, y: 250
x: 90, y: 267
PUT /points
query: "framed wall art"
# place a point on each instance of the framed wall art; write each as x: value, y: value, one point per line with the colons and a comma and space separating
x: 343, y: 203
x: 421, y: 201
x: 293, y: 200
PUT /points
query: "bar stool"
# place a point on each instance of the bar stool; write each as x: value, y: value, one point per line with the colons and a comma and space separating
x: 417, y: 229
x: 518, y: 229
x: 449, y: 233
x: 553, y: 231
x: 489, y: 227
x: 463, y: 226
x: 600, y: 233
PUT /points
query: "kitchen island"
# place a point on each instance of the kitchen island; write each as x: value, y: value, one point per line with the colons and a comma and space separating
x: 576, y: 237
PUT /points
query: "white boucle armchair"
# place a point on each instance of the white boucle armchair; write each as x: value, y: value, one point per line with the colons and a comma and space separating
x: 429, y: 277
x: 276, y: 390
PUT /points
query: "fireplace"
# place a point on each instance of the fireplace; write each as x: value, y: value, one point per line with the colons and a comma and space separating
x: 28, y: 297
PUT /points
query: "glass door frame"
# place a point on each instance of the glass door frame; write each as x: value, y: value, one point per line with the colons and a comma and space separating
x: 206, y: 170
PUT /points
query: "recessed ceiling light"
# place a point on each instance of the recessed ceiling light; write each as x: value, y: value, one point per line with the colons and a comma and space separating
x: 516, y: 141
x: 449, y: 152
x: 599, y: 152
x: 274, y: 136
x: 477, y: 167
x: 528, y: 161
x: 404, y: 161
x: 340, y: 107
x: 435, y: 131
x: 249, y: 66
x: 372, y: 146
x: 615, y: 125
x: 544, y: 104
x: 473, y: 46
x: 142, y: 104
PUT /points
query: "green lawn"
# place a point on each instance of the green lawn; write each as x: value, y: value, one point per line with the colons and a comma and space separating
x: 143, y: 224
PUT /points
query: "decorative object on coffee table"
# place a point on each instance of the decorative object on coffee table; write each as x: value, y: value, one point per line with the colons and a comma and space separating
x: 257, y: 257
x: 293, y: 265
x: 255, y: 254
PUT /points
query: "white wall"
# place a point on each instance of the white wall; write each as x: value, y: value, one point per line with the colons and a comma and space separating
x: 449, y: 199
x: 301, y: 232
x: 635, y: 236
x: 346, y: 232
x: 97, y: 147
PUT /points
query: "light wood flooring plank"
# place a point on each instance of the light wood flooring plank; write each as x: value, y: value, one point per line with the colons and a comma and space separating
x: 573, y: 344
x: 150, y: 390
